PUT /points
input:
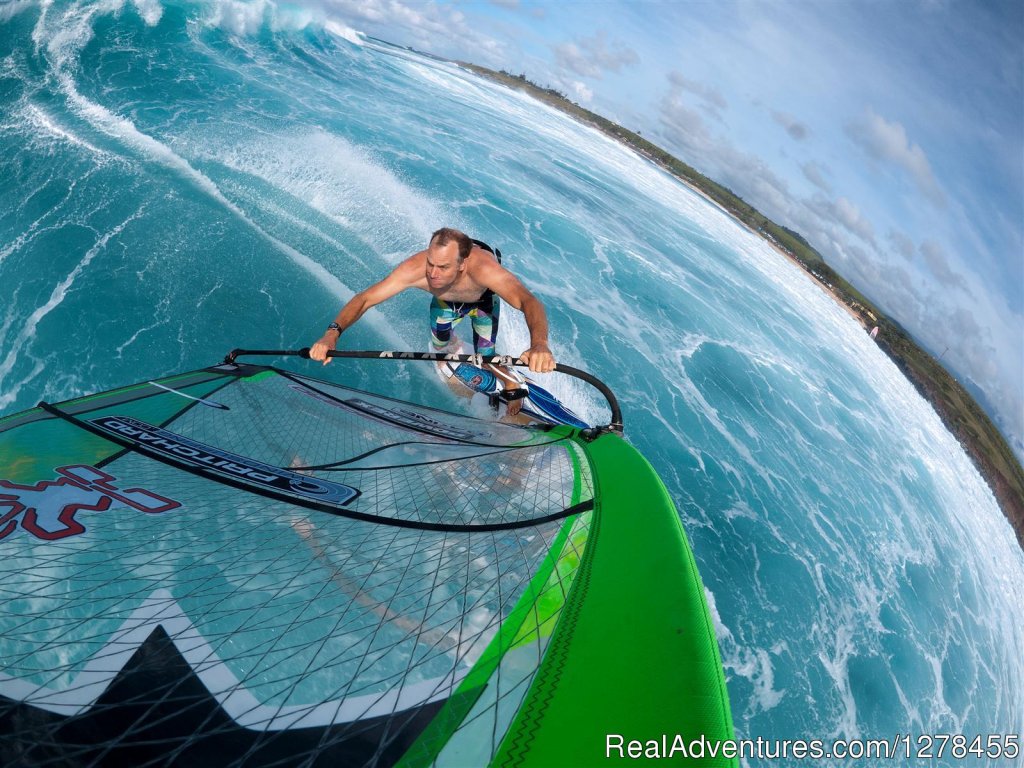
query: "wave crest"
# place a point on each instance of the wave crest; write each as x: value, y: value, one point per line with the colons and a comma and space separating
x: 245, y: 19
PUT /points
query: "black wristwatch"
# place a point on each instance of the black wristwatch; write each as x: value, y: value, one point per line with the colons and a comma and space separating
x: 334, y: 327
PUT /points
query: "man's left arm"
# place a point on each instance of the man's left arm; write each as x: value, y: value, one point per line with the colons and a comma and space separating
x: 538, y: 356
x: 513, y: 292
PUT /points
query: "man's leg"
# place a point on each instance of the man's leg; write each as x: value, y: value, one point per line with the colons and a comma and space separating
x: 485, y: 333
x: 485, y: 329
x: 442, y: 319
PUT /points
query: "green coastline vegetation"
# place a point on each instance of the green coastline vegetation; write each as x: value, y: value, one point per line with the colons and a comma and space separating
x: 959, y: 411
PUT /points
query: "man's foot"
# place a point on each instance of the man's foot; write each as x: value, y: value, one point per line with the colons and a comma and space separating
x: 514, y: 395
x: 514, y: 407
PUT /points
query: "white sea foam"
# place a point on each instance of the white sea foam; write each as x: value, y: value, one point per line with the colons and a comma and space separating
x: 336, y: 178
x: 11, y: 313
x: 42, y: 122
x: 57, y: 295
x: 140, y: 332
x: 295, y: 219
x: 517, y: 111
x: 448, y: 77
x: 753, y: 664
x: 123, y: 130
x: 151, y: 11
x: 246, y: 18
x: 46, y: 222
x: 836, y: 647
x: 12, y: 8
x: 63, y: 45
x: 338, y: 29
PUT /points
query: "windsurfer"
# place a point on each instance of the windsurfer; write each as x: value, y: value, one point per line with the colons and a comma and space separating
x: 463, y: 277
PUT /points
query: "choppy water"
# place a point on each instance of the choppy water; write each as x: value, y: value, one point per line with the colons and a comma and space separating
x: 177, y: 180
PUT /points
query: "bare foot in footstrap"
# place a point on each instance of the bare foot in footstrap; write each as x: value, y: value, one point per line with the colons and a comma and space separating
x: 515, y: 397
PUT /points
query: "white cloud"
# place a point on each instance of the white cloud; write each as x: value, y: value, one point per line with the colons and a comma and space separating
x: 428, y: 26
x: 796, y: 130
x: 712, y: 99
x: 849, y: 215
x: 684, y: 128
x: 901, y: 243
x: 828, y: 223
x: 887, y: 142
x: 938, y: 263
x: 817, y: 174
x: 593, y: 56
x: 534, y: 11
x: 580, y: 91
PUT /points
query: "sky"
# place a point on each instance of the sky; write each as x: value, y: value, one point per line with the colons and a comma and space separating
x: 889, y: 134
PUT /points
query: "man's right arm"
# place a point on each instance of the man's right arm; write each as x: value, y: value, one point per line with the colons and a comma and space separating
x: 405, y: 275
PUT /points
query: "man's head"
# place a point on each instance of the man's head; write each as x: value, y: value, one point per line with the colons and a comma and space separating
x: 446, y: 255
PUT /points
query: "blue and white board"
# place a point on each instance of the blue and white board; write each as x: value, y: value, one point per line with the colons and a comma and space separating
x: 539, y: 404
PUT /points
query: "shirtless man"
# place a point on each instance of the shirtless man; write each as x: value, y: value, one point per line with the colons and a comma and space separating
x: 463, y: 277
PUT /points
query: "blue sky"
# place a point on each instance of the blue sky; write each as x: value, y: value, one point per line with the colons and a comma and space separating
x: 889, y: 134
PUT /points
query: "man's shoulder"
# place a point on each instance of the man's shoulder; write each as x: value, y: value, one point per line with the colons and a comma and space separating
x: 480, y: 259
x: 410, y: 270
x: 412, y: 263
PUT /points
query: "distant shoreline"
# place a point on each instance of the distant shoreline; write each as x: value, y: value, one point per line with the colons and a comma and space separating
x: 959, y: 411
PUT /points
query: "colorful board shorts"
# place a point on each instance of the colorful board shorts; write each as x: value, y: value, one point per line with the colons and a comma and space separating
x: 445, y: 315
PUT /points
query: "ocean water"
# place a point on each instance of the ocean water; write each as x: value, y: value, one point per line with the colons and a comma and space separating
x: 177, y: 180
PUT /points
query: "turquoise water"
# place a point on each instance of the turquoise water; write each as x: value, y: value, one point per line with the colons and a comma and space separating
x: 175, y: 183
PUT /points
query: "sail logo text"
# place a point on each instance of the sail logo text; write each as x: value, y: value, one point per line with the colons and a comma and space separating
x: 196, y: 454
x: 48, y: 508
